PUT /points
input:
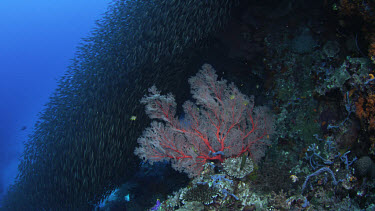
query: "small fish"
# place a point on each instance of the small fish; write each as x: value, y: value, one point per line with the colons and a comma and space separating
x: 127, y: 197
x: 133, y: 118
x: 294, y: 178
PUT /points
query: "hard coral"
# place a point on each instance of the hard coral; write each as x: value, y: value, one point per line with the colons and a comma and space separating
x: 235, y: 168
x: 363, y: 166
x: 201, y: 193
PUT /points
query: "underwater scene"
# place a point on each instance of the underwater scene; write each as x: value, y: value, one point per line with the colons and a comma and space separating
x: 203, y: 105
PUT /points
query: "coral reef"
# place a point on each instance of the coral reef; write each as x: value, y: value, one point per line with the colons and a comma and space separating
x: 201, y: 193
x: 365, y: 110
x: 303, y: 60
x: 238, y: 167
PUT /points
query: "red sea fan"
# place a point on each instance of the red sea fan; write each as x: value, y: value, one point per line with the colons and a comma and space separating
x: 222, y: 123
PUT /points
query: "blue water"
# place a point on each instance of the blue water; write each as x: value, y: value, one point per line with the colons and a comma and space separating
x: 37, y: 40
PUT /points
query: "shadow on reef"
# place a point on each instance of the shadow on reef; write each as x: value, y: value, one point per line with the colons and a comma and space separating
x: 149, y: 184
